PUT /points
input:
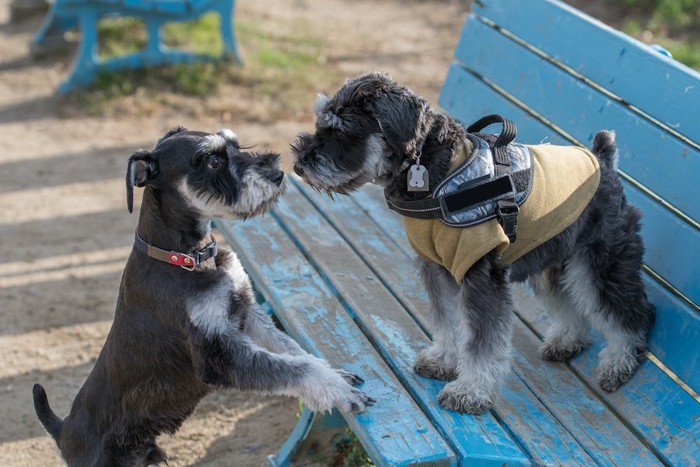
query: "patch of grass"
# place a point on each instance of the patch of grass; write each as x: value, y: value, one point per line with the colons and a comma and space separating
x: 687, y: 53
x: 119, y: 36
x: 672, y: 14
x: 200, y: 35
x: 673, y: 24
x: 351, y: 453
x: 284, y: 66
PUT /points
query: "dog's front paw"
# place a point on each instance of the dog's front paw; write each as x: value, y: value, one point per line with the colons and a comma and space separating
x: 355, y: 401
x: 611, y: 382
x: 434, y: 369
x: 616, y: 368
x: 452, y: 397
x: 350, y: 377
x: 610, y: 379
x: 560, y: 352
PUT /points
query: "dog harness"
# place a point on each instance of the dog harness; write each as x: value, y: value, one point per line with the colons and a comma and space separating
x: 497, y: 192
x: 186, y: 261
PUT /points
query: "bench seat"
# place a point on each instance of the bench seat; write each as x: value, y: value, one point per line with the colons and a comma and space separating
x: 339, y: 274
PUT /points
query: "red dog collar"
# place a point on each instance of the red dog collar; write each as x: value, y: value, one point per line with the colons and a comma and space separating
x: 184, y: 260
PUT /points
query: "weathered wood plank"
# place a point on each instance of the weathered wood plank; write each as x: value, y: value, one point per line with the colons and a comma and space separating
x: 394, y: 333
x: 650, y: 155
x: 654, y: 405
x: 395, y: 431
x: 571, y: 403
x: 669, y: 90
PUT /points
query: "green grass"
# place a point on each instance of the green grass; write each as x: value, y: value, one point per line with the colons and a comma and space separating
x: 685, y: 51
x: 674, y: 24
x: 351, y: 453
x: 668, y: 14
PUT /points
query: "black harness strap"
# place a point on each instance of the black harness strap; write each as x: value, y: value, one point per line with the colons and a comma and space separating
x: 507, y: 209
x: 501, y: 187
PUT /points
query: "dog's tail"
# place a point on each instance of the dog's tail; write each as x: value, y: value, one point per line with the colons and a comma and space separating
x: 52, y: 424
x: 605, y: 148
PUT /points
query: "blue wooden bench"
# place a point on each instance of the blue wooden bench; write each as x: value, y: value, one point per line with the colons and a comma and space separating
x: 65, y: 15
x: 339, y: 275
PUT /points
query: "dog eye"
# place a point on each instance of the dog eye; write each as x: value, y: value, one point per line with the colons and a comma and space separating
x: 215, y: 162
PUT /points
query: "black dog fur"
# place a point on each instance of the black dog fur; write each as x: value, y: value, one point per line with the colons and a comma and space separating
x: 178, y: 334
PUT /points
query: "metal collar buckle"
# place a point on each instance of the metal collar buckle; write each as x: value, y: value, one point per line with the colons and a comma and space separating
x: 188, y: 259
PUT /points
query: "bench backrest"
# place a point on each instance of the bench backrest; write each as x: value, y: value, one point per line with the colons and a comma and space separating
x: 562, y: 76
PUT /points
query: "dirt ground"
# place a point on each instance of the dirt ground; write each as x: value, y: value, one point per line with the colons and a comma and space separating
x: 65, y: 232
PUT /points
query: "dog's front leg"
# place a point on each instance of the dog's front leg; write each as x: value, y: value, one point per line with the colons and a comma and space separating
x: 231, y: 359
x: 263, y: 332
x: 439, y: 361
x: 486, y: 314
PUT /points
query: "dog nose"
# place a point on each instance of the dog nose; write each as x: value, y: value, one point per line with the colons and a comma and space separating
x: 276, y: 176
x: 298, y: 170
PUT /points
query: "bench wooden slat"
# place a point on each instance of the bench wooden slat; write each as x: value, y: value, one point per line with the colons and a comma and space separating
x: 672, y: 262
x: 676, y: 333
x: 584, y: 417
x: 399, y: 430
x: 172, y: 6
x: 393, y: 332
x: 654, y: 405
x: 668, y: 89
x: 647, y: 153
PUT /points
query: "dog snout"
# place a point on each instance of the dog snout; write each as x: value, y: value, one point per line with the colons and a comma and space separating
x: 298, y: 170
x: 276, y: 176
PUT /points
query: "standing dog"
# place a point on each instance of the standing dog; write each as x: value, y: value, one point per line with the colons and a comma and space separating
x: 374, y: 130
x: 186, y: 320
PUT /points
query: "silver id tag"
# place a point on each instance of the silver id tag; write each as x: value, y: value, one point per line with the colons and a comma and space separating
x: 418, y: 178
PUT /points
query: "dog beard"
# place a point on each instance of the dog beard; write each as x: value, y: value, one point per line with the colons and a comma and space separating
x: 239, y: 194
x: 327, y: 170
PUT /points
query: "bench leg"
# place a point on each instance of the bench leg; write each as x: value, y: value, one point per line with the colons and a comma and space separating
x: 310, y: 425
x: 49, y: 38
x: 153, y: 45
x: 84, y: 70
x: 228, y: 38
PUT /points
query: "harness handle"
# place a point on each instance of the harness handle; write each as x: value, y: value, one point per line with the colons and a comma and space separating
x: 506, y: 209
x: 506, y: 136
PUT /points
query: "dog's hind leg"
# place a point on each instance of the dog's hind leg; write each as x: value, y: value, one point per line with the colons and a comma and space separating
x: 612, y: 296
x: 439, y: 361
x: 570, y: 330
x: 483, y: 333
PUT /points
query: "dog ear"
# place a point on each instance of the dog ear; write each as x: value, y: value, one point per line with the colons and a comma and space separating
x: 142, y: 167
x: 171, y: 132
x: 324, y: 116
x: 404, y: 119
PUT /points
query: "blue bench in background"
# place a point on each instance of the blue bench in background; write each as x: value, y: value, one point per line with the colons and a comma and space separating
x: 65, y: 15
x: 339, y: 275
